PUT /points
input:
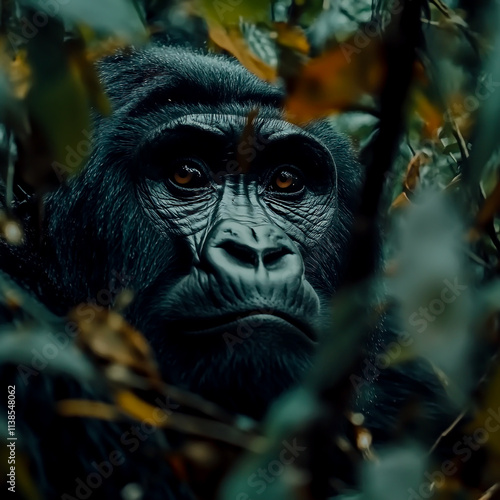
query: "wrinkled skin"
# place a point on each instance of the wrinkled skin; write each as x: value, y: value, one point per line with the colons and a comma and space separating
x: 231, y: 271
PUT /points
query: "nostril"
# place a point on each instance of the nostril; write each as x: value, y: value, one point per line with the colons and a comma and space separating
x: 274, y: 255
x: 240, y: 252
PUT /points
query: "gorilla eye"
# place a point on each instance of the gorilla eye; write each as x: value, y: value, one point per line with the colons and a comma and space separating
x: 188, y: 173
x: 287, y: 180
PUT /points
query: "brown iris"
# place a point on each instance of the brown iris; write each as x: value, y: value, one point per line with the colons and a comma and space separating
x: 287, y: 181
x: 183, y: 175
x: 187, y: 174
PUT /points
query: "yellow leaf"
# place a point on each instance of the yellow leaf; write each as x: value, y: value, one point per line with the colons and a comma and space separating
x: 110, y: 339
x: 292, y: 37
x: 226, y: 12
x: 137, y: 408
x: 488, y: 415
x: 87, y: 409
x: 83, y: 70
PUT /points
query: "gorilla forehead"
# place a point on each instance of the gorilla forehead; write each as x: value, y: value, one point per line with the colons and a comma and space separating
x: 144, y: 80
x: 224, y: 123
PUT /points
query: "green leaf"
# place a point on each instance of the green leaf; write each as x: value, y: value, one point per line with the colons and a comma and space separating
x: 227, y: 12
x: 109, y: 17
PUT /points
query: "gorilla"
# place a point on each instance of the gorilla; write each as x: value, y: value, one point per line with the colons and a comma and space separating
x: 229, y: 224
x: 230, y: 230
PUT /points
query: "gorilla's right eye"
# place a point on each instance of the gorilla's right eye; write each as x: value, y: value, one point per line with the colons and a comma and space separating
x: 187, y: 173
x: 287, y: 180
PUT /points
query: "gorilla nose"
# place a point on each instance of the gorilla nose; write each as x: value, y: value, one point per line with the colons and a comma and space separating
x: 249, y: 255
x: 238, y: 249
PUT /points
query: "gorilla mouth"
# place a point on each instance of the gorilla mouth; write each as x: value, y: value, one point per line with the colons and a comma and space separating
x: 253, y: 319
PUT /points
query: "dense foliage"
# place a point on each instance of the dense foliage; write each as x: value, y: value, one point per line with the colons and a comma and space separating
x: 415, y: 84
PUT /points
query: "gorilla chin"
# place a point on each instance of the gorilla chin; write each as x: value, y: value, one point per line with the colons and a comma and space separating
x: 241, y: 361
x: 242, y: 375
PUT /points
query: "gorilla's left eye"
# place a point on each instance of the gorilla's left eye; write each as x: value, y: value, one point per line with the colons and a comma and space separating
x: 287, y: 179
x: 187, y: 173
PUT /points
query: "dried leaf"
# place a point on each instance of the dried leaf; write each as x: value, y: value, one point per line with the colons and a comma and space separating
x: 411, y: 180
x: 87, y: 409
x: 401, y: 201
x: 292, y: 37
x: 335, y: 81
x: 111, y: 340
x: 137, y: 408
x: 246, y: 136
x: 432, y: 116
x: 413, y: 171
x: 231, y: 39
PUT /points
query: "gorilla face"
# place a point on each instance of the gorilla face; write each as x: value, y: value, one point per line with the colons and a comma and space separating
x: 247, y: 245
x: 228, y: 222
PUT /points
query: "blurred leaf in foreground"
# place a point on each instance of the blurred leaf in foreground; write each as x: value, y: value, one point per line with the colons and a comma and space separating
x: 231, y: 38
x: 433, y: 289
x: 229, y: 12
x: 335, y: 81
x: 109, y: 17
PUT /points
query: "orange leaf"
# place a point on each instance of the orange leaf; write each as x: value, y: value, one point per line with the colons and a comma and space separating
x: 246, y: 135
x: 430, y: 114
x: 335, y: 81
x: 413, y: 170
x: 231, y: 39
x: 292, y: 37
x: 401, y: 201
